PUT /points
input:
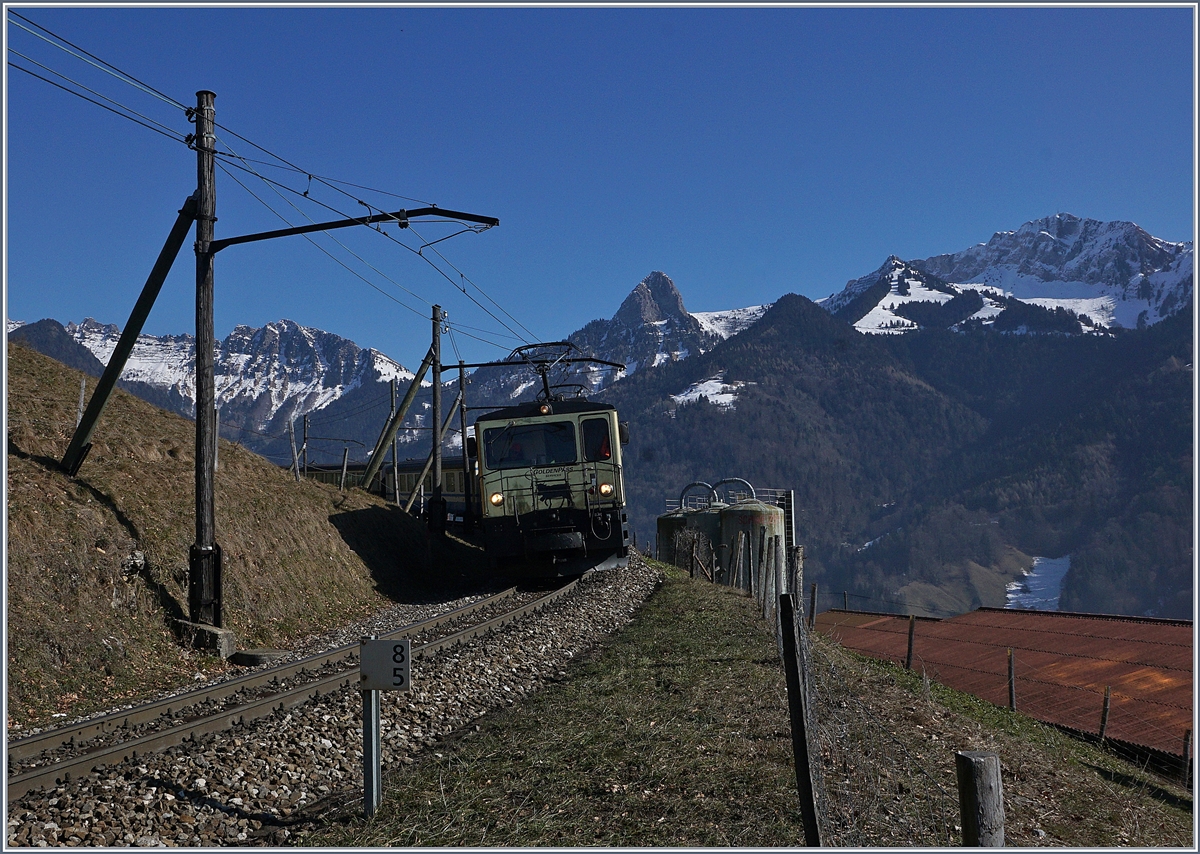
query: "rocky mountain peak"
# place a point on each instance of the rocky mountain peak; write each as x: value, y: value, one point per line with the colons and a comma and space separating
x: 653, y: 300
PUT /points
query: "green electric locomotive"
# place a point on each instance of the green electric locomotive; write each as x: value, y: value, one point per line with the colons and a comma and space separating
x: 550, y: 483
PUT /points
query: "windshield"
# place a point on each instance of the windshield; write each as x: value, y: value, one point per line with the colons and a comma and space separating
x: 518, y: 446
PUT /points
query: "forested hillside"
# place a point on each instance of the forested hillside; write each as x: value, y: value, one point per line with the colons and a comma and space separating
x: 956, y: 457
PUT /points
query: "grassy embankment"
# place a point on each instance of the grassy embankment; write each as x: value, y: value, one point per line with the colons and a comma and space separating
x: 677, y: 733
x: 88, y: 621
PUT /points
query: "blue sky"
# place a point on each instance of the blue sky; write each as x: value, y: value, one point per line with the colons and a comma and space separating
x: 747, y: 153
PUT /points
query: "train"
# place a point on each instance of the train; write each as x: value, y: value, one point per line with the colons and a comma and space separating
x: 544, y: 479
x: 550, y: 485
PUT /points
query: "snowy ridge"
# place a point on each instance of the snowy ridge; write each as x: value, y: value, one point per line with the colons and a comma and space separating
x: 730, y: 322
x: 714, y: 389
x: 282, y: 368
x: 1112, y: 273
x: 905, y: 285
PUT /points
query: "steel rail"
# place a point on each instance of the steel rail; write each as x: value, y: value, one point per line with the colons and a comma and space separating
x: 32, y: 745
x: 86, y: 763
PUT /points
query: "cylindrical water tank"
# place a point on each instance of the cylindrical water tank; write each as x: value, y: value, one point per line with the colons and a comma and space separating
x: 759, y: 522
x: 707, y: 520
x: 668, y: 526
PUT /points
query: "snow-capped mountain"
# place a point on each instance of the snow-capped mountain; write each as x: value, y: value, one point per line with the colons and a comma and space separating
x: 651, y: 327
x: 1109, y: 274
x: 264, y: 377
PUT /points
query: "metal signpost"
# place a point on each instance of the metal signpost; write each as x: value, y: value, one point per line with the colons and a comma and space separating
x: 383, y: 665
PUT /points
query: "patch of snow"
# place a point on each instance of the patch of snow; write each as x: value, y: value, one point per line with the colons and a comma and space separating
x: 13, y: 324
x: 389, y: 370
x: 522, y: 388
x: 731, y: 321
x: 1041, y: 587
x: 715, y: 389
x: 882, y: 319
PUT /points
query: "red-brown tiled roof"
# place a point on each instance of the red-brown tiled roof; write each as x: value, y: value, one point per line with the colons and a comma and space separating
x: 1062, y: 661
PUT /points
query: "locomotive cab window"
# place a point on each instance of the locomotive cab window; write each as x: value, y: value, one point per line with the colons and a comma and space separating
x: 597, y: 446
x: 518, y: 446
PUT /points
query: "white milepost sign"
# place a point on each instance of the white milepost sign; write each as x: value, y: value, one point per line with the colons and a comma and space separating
x: 384, y: 665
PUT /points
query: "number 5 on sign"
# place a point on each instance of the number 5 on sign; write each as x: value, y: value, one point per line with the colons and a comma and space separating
x: 384, y: 665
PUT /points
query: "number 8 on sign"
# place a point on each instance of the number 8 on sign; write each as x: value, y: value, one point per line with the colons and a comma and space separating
x: 385, y: 665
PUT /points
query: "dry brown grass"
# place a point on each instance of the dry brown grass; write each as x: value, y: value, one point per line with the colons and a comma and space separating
x: 677, y: 734
x: 88, y: 624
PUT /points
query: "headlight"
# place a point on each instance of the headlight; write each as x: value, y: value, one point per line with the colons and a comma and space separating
x: 496, y: 498
x: 606, y: 489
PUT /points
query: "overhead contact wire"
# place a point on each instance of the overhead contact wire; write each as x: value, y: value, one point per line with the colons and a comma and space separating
x: 331, y: 183
x: 323, y: 249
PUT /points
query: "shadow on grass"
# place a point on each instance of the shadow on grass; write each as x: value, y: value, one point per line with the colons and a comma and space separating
x: 1143, y: 785
x: 407, y: 563
x: 171, y: 606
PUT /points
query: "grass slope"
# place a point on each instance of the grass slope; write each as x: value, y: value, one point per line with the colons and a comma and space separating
x: 677, y: 734
x: 97, y: 564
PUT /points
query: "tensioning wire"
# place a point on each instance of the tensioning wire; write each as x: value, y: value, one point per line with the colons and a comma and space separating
x: 167, y: 128
x: 97, y: 103
x: 482, y: 291
x: 95, y: 61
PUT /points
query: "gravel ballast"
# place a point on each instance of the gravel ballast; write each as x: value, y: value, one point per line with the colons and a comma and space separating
x: 260, y: 783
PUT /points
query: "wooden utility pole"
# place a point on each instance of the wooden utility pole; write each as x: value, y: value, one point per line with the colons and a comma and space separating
x: 81, y: 442
x: 389, y: 432
x: 292, y: 442
x: 467, y: 516
x: 204, y: 581
x: 395, y: 461
x: 437, y: 504
x: 438, y: 436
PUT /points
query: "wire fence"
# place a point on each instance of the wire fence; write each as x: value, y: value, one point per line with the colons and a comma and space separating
x: 869, y: 789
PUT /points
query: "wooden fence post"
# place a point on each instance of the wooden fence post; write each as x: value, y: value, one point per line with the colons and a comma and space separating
x: 796, y: 709
x: 1104, y: 714
x: 761, y: 561
x: 845, y: 600
x: 1187, y: 756
x: 345, y: 459
x: 1012, y: 682
x: 812, y: 607
x: 739, y: 540
x: 912, y: 628
x: 980, y: 799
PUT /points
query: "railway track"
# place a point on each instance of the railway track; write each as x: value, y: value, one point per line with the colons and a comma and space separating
x: 54, y: 756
